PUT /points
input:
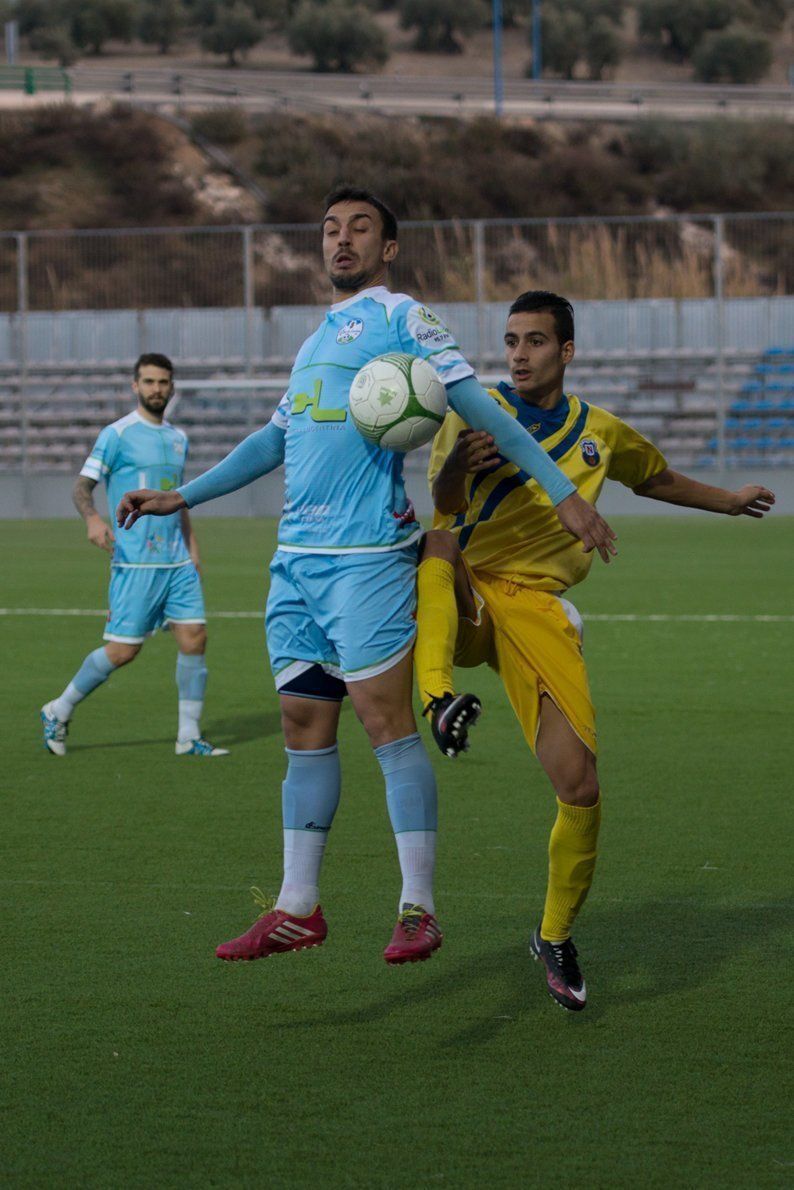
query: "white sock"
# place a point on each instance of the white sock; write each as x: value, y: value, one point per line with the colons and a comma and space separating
x: 189, y: 715
x: 303, y: 857
x: 417, y: 852
x: 63, y: 708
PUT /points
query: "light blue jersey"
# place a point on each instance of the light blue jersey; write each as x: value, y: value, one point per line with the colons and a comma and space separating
x: 134, y: 453
x: 344, y: 494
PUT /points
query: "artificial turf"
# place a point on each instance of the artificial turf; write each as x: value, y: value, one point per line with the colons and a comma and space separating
x: 133, y: 1058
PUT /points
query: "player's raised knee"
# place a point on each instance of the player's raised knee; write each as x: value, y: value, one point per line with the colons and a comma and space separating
x: 580, y: 791
x: 120, y: 653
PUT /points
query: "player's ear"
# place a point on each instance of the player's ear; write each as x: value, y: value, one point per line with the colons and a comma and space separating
x: 390, y: 250
x: 568, y: 352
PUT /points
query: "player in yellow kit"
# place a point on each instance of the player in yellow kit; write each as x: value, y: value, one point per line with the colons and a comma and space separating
x: 492, y: 584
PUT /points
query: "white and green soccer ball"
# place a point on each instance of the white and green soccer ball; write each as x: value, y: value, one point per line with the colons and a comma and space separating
x: 398, y: 401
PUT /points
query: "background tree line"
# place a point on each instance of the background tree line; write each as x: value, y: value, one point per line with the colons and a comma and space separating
x: 724, y: 40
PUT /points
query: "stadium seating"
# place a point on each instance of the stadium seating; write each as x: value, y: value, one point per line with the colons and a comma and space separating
x: 671, y: 400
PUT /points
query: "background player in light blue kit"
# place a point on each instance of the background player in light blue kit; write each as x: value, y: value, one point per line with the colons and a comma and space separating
x: 340, y: 614
x: 154, y: 576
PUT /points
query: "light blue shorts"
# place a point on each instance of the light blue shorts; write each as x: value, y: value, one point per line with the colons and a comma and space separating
x: 352, y: 614
x: 142, y: 599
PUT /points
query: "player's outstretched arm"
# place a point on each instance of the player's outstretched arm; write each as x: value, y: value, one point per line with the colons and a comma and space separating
x: 146, y: 502
x: 258, y: 454
x: 674, y: 488
x: 470, y: 400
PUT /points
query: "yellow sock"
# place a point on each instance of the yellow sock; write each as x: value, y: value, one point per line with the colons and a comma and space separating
x: 436, y: 628
x: 572, y: 860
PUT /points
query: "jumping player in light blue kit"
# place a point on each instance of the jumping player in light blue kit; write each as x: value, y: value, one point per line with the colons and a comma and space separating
x: 340, y: 614
x: 154, y: 575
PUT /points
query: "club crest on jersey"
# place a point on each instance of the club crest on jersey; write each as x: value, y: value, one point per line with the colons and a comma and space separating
x: 350, y: 331
x: 590, y: 453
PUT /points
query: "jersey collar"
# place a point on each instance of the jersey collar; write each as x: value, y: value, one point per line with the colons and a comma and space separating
x: 375, y: 292
x: 541, y: 423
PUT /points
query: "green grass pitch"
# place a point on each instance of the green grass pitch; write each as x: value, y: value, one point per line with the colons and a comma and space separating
x: 133, y: 1058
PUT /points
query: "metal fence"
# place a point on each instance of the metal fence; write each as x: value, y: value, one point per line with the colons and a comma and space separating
x: 680, y: 256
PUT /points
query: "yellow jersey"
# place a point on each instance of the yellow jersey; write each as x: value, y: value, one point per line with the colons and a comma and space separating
x: 508, y: 526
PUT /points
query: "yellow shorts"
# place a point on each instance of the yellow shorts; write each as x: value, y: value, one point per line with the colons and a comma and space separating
x: 533, y: 641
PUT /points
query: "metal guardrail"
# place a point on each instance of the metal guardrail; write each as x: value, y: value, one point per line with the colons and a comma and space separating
x: 293, y: 88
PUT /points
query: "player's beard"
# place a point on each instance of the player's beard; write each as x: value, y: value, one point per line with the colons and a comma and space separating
x: 348, y: 281
x: 155, y: 407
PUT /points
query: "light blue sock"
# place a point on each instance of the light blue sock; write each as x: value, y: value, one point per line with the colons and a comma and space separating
x: 310, y: 793
x: 410, y: 785
x: 191, y: 682
x: 191, y: 676
x: 95, y: 670
x: 413, y: 809
x: 309, y: 798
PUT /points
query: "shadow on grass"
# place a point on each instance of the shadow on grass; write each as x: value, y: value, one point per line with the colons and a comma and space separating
x: 240, y: 729
x: 631, y: 954
x: 235, y: 729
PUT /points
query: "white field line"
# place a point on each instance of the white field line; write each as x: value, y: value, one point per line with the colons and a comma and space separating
x: 610, y: 618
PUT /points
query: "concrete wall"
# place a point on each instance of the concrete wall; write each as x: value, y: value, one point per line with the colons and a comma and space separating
x: 213, y: 337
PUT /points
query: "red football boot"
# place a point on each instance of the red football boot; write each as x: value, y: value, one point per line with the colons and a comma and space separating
x: 275, y: 932
x: 416, y: 935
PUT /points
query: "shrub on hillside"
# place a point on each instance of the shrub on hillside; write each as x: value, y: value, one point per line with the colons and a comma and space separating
x: 603, y: 47
x: 221, y: 125
x: 337, y: 35
x: 55, y: 44
x: 727, y: 165
x: 768, y: 15
x: 234, y: 31
x: 35, y: 14
x: 678, y: 25
x: 562, y: 41
x: 584, y: 30
x: 95, y: 22
x: 733, y: 55
x: 161, y: 22
x: 440, y: 24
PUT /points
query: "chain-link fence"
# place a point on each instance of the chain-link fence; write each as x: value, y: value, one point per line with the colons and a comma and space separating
x: 464, y: 261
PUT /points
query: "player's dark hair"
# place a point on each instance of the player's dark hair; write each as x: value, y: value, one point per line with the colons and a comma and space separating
x: 536, y: 300
x: 155, y: 359
x: 358, y: 194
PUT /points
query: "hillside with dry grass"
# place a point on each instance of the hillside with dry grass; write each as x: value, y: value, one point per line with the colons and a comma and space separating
x: 65, y: 167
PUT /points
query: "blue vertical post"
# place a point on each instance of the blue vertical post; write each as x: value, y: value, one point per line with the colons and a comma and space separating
x: 498, y: 81
x: 537, y: 50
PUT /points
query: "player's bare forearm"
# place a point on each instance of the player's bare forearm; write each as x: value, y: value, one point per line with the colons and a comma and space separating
x: 583, y: 521
x: 147, y: 502
x: 474, y: 450
x: 674, y: 488
x: 99, y: 533
x: 190, y: 537
x: 449, y: 491
x: 83, y: 497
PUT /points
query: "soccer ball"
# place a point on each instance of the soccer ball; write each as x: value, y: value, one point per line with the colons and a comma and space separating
x: 398, y: 401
